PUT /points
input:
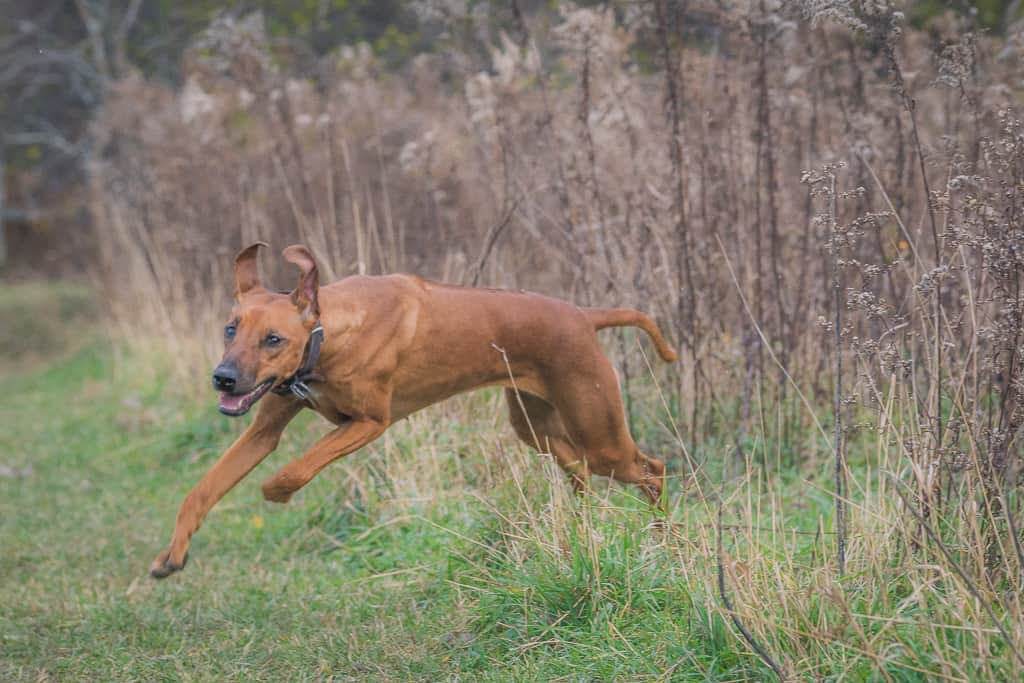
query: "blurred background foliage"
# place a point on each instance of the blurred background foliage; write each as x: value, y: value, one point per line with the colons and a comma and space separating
x: 59, y: 57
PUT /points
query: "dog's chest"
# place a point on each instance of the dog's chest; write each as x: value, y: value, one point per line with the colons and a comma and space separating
x: 330, y: 404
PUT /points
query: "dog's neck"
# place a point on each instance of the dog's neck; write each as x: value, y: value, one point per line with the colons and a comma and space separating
x: 298, y: 383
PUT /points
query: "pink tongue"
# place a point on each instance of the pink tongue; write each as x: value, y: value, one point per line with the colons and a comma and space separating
x: 231, y: 402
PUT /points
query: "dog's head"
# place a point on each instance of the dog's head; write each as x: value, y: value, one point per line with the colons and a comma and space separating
x: 266, y: 335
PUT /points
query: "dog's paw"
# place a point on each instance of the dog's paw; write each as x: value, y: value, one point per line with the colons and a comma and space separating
x: 276, y: 491
x: 164, y: 565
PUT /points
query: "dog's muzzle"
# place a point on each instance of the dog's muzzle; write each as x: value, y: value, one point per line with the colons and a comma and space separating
x: 225, y: 377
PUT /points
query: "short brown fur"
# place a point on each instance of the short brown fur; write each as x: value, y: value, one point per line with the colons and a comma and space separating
x: 394, y: 344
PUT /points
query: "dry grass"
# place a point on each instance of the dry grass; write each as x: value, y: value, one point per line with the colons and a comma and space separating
x: 644, y: 161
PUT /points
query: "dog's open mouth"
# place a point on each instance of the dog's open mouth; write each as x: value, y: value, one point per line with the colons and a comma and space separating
x: 239, y: 404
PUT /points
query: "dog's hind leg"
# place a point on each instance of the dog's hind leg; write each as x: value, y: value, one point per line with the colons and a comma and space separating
x: 541, y: 428
x: 647, y: 473
x: 590, y: 409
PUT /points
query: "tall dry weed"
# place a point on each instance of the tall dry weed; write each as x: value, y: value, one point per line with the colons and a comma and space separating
x: 650, y: 157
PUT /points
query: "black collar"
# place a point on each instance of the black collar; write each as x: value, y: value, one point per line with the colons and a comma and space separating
x: 297, y: 383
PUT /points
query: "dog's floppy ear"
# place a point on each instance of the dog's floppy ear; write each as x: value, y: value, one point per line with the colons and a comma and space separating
x: 247, y: 269
x: 306, y: 292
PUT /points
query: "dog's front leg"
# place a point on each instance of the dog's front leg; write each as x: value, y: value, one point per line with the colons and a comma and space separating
x: 339, y: 443
x: 255, y: 443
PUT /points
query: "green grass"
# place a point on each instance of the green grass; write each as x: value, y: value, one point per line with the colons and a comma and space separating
x: 442, y: 552
x: 335, y: 584
x: 39, y: 319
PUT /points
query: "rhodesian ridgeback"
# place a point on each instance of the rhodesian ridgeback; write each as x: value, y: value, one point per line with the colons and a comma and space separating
x: 369, y: 350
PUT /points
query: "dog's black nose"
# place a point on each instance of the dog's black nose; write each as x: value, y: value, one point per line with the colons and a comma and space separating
x: 225, y: 376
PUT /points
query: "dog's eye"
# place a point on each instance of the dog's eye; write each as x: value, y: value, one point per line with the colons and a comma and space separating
x: 229, y: 331
x: 273, y: 340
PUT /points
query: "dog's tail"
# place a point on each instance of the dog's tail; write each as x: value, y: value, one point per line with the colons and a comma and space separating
x: 620, y: 317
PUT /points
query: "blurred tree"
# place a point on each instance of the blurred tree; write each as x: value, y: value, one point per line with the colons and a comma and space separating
x: 56, y: 61
x: 990, y: 15
x: 58, y: 57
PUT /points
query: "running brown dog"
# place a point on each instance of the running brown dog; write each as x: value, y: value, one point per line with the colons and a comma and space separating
x: 367, y: 351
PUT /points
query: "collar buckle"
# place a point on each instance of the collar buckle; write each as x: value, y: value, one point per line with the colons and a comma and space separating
x: 301, y: 390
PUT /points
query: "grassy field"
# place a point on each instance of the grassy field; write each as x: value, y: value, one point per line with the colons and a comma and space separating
x: 443, y: 552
